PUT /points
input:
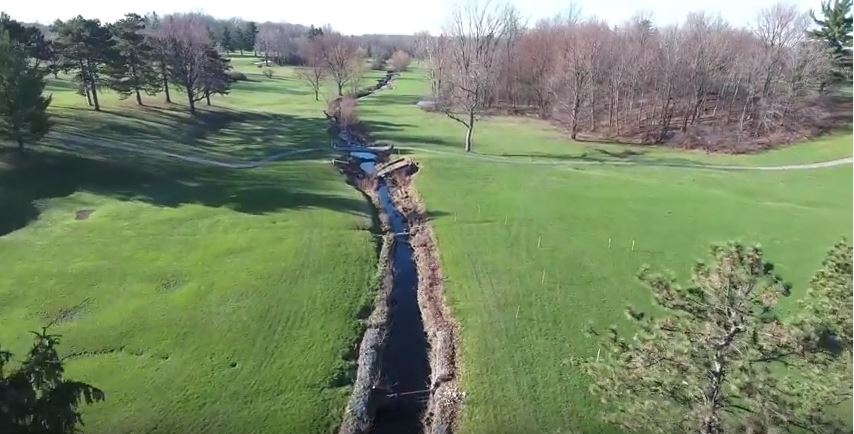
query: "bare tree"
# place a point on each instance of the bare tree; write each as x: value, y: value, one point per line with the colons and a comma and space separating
x: 475, y: 32
x: 314, y: 70
x: 400, y: 60
x: 187, y: 45
x: 340, y: 55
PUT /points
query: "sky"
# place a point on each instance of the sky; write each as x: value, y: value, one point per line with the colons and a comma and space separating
x: 381, y: 16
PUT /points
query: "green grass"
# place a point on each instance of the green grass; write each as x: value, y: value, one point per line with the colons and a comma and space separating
x: 200, y: 299
x: 523, y: 308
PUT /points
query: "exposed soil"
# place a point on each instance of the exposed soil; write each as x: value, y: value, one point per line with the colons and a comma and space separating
x: 83, y: 214
x: 442, y: 330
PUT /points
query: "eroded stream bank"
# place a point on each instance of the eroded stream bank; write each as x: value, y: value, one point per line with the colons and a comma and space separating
x: 406, y: 380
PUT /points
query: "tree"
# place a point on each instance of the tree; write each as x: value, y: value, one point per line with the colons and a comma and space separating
x: 28, y: 37
x: 88, y: 46
x: 132, y: 69
x: 340, y: 56
x: 23, y: 108
x: 225, y: 39
x: 825, y: 309
x: 239, y: 39
x: 215, y: 75
x: 160, y: 50
x: 187, y: 55
x: 400, y: 60
x: 36, y: 398
x: 249, y: 34
x: 710, y: 363
x: 835, y: 31
x: 314, y: 70
x: 474, y: 33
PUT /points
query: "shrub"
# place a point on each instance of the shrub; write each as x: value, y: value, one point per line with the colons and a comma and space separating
x: 268, y: 73
x: 236, y: 76
x: 343, y: 111
x: 400, y: 60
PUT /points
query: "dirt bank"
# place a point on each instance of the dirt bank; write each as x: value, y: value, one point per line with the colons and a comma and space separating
x: 442, y: 330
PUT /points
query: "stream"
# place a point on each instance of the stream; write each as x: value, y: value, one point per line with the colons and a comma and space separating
x: 404, y: 369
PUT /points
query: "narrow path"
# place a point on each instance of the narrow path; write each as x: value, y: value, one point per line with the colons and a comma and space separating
x: 579, y: 162
x: 282, y: 156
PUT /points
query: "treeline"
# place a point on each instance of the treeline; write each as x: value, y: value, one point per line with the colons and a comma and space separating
x: 701, y: 83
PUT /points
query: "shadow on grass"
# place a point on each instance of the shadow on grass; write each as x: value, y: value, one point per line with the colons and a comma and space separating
x: 215, y: 134
x: 35, y: 175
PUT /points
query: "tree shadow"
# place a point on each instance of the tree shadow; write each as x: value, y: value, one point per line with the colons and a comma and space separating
x: 218, y: 134
x: 27, y: 178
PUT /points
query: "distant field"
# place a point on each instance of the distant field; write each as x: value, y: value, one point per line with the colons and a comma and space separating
x: 200, y: 299
x: 523, y: 308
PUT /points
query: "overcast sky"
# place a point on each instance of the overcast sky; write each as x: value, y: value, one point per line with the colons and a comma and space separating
x: 379, y: 16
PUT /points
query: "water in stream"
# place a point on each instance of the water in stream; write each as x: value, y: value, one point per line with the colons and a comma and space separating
x: 405, y: 370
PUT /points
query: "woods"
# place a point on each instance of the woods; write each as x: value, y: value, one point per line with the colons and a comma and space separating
x: 702, y: 83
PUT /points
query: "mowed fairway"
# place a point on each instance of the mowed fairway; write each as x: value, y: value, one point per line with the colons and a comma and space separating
x: 201, y: 299
x: 537, y: 245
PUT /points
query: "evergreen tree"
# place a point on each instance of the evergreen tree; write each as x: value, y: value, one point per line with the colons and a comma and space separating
x: 132, y: 70
x: 249, y: 35
x: 35, y: 398
x: 216, y: 79
x: 28, y: 37
x: 88, y: 46
x: 239, y: 39
x: 226, y: 41
x: 710, y: 363
x: 835, y: 29
x: 23, y: 109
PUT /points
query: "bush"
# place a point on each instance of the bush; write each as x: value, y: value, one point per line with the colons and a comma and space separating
x: 343, y: 111
x: 400, y: 60
x: 236, y: 76
x: 268, y: 73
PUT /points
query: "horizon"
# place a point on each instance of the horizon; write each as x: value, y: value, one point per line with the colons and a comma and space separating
x: 408, y: 17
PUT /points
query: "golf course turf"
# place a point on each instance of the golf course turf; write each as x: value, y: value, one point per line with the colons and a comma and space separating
x: 203, y: 298
x: 534, y: 252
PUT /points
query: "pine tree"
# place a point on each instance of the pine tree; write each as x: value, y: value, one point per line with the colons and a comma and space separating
x: 88, y: 46
x: 711, y: 362
x: 23, y: 108
x: 835, y: 30
x: 36, y: 398
x: 249, y: 35
x: 239, y: 39
x: 226, y: 41
x: 132, y: 70
x: 216, y: 79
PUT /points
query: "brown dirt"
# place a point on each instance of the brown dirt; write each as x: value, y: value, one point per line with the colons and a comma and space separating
x: 83, y: 214
x: 442, y: 330
x: 359, y: 413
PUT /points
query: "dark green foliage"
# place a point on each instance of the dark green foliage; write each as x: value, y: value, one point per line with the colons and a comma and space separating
x: 23, y: 109
x: 236, y: 76
x: 314, y: 32
x: 87, y: 46
x: 35, y: 398
x: 30, y: 38
x: 225, y: 40
x: 131, y: 70
x: 216, y: 75
x: 711, y: 363
x: 249, y: 34
x: 239, y: 37
x: 826, y: 309
x: 835, y: 28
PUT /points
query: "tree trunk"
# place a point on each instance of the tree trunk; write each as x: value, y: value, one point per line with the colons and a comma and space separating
x: 191, y: 100
x: 165, y: 82
x: 208, y: 98
x: 95, y: 97
x: 20, y: 143
x: 340, y: 88
x: 469, y: 132
x: 88, y: 94
x: 316, y: 94
x: 138, y: 97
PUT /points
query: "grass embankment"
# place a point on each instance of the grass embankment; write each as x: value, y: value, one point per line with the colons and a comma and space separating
x: 525, y: 247
x: 200, y: 299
